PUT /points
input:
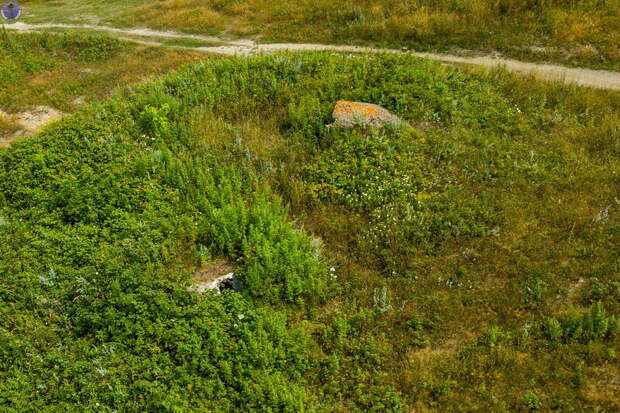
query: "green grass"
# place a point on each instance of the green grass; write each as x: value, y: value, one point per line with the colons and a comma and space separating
x: 474, y: 252
x: 163, y: 41
x: 66, y: 71
x: 575, y: 32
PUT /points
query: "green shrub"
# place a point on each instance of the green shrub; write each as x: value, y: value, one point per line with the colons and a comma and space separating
x: 535, y: 288
x: 417, y: 326
x: 531, y: 402
x: 582, y: 327
x: 88, y: 48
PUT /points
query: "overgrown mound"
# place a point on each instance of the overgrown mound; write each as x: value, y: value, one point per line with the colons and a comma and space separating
x: 105, y: 216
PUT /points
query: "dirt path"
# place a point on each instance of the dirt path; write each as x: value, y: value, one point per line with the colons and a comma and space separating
x: 25, y: 27
x: 601, y: 79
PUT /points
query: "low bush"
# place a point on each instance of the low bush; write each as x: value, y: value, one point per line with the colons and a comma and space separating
x: 582, y: 327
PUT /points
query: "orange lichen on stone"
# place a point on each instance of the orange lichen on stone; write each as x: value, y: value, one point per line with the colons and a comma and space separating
x: 349, y: 114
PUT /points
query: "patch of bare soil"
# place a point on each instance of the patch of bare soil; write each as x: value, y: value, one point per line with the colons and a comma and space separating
x: 442, y: 351
x: 574, y: 289
x: 78, y: 101
x: 27, y: 123
x: 212, y: 276
x: 212, y: 270
x: 32, y: 121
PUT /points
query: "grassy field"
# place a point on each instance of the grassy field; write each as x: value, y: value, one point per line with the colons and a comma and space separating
x: 575, y: 32
x: 467, y: 261
x: 64, y: 72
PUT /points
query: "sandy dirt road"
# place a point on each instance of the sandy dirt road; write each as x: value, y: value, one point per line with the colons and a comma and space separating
x: 601, y: 79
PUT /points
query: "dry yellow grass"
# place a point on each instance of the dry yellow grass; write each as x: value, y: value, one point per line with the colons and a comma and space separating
x: 8, y: 128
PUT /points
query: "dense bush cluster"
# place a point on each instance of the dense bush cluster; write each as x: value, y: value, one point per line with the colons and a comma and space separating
x: 96, y: 212
x: 86, y: 244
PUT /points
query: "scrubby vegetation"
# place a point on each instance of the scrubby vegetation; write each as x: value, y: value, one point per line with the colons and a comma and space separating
x: 584, y: 32
x: 22, y: 57
x: 467, y: 260
x: 63, y: 72
x: 100, y: 214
